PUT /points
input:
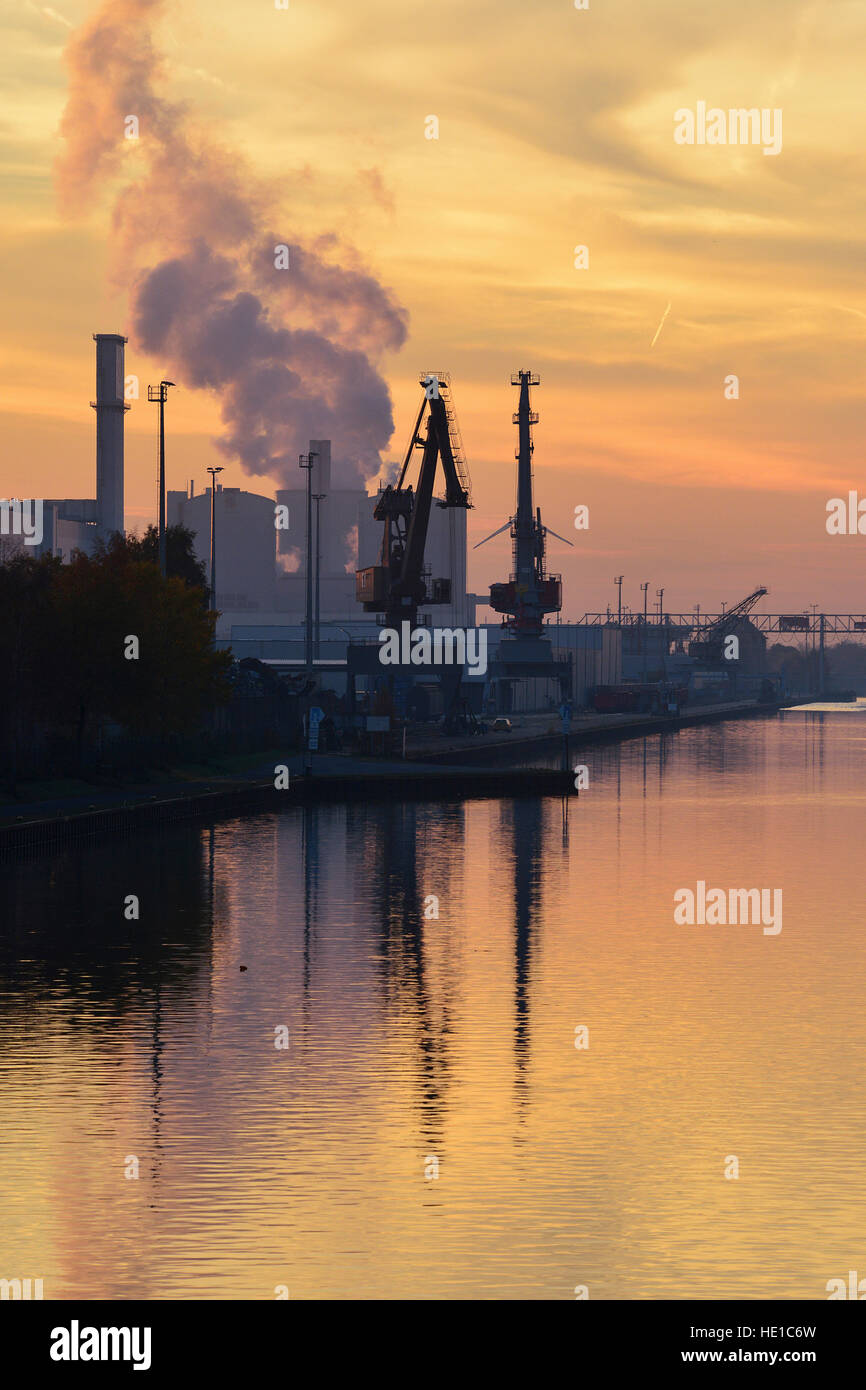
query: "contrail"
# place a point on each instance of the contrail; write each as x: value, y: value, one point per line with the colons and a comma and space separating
x: 289, y: 343
x: 50, y: 14
x: 661, y: 325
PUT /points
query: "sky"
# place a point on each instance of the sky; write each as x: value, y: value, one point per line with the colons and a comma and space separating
x: 555, y: 130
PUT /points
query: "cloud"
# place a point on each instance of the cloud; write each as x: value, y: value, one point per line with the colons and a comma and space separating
x: 287, y: 334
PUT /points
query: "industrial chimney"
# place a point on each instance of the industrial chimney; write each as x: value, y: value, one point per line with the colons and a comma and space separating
x: 110, y: 408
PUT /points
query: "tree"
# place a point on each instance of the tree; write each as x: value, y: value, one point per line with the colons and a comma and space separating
x: 26, y: 586
x: 134, y: 646
x: 104, y: 637
x: 181, y: 561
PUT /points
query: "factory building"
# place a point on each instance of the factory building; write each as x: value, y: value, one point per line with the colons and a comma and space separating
x: 246, y: 543
x: 594, y: 657
x: 260, y: 569
x: 594, y: 654
x: 68, y: 524
x: 350, y: 538
x: 337, y: 514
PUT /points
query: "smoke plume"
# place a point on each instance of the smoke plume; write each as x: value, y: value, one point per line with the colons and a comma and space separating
x: 291, y: 353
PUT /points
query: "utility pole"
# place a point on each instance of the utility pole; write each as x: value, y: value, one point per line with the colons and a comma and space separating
x: 618, y: 582
x: 318, y: 497
x: 307, y: 461
x: 213, y: 535
x: 159, y: 394
x: 660, y: 595
x: 645, y: 588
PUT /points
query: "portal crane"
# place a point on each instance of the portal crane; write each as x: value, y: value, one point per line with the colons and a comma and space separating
x: 531, y: 592
x: 397, y: 586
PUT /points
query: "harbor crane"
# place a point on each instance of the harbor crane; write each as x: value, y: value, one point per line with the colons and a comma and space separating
x: 709, y: 644
x: 531, y: 592
x: 398, y: 585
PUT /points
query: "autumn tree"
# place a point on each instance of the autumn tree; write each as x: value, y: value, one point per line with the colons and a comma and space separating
x: 26, y: 623
x: 105, y: 637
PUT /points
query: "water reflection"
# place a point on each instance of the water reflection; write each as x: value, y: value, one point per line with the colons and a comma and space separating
x: 69, y: 930
x: 431, y: 962
x: 391, y: 845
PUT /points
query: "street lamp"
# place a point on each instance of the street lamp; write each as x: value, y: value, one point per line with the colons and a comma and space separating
x: 645, y: 588
x: 307, y: 461
x: 213, y: 472
x: 317, y: 498
x: 159, y: 394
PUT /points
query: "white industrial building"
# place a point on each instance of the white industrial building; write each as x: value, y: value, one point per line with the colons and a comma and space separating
x: 349, y: 538
x: 246, y: 543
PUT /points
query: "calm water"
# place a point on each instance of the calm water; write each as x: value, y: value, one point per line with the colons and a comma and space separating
x: 413, y: 1039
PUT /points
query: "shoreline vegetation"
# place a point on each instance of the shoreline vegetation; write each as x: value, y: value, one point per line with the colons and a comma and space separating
x: 117, y: 711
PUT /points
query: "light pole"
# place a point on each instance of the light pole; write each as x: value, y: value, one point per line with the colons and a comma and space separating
x: 645, y: 587
x: 318, y: 497
x: 159, y: 394
x: 618, y: 582
x: 306, y: 461
x: 213, y: 472
x: 821, y: 655
x: 661, y: 598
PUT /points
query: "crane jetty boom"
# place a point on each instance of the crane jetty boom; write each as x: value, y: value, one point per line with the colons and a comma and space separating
x: 709, y: 644
x: 398, y: 585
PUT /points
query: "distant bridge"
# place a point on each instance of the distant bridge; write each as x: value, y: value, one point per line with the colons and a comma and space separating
x: 847, y: 624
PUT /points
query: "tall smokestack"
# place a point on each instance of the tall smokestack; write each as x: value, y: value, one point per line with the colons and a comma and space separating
x: 110, y: 408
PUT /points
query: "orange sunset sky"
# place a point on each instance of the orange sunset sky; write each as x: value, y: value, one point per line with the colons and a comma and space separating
x: 555, y: 130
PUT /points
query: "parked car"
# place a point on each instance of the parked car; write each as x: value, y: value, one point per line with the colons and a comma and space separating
x: 501, y: 726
